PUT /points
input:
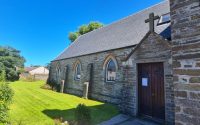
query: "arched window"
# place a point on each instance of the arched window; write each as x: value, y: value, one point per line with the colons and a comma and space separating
x: 77, y: 75
x: 58, y: 73
x: 111, y: 68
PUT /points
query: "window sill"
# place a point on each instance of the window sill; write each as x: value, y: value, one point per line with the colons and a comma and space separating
x: 77, y: 80
x: 110, y: 81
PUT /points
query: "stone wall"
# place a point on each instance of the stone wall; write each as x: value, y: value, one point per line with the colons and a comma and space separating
x: 185, y: 16
x: 34, y: 77
x: 153, y: 49
x: 99, y: 89
x: 41, y: 76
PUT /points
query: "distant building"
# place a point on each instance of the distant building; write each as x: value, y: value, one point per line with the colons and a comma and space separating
x: 37, y: 73
x: 37, y: 70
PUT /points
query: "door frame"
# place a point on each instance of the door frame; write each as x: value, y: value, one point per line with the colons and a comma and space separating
x: 137, y: 91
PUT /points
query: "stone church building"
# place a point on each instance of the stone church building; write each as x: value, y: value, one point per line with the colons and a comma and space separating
x: 147, y: 63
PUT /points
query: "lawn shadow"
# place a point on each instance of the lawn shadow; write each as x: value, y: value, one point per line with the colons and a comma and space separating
x: 99, y: 113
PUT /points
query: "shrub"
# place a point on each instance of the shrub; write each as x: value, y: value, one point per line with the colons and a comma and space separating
x: 50, y: 82
x: 46, y: 86
x: 82, y: 115
x: 57, y: 87
x: 53, y: 84
x: 6, y: 94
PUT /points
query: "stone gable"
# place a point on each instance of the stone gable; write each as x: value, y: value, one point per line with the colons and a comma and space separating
x: 100, y: 89
x: 152, y: 49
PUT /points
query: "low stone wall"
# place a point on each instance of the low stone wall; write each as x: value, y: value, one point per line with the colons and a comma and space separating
x: 34, y: 77
x: 41, y: 76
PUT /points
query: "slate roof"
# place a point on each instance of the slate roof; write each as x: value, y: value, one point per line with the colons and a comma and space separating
x: 126, y: 32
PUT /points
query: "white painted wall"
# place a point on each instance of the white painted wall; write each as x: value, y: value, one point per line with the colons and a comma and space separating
x: 39, y: 70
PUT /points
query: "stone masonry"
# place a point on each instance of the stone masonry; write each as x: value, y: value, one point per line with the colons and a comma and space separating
x: 185, y: 16
x: 99, y: 89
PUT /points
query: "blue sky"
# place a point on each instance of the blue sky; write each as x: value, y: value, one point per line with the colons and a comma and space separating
x: 39, y: 28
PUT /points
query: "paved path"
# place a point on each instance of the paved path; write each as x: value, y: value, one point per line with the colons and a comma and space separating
x: 135, y: 121
x: 116, y: 120
x: 126, y: 120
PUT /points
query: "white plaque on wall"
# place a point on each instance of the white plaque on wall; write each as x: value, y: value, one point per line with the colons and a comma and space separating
x: 144, y: 81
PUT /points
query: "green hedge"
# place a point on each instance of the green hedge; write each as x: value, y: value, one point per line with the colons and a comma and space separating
x: 6, y: 94
x: 53, y: 84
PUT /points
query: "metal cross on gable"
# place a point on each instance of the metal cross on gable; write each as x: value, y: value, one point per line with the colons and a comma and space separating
x: 151, y: 21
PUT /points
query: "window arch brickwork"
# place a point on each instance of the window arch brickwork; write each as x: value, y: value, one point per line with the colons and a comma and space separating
x: 110, y: 68
x: 58, y: 73
x: 77, y: 70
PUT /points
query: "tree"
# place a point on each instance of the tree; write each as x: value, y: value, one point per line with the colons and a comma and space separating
x: 73, y: 36
x: 2, y: 76
x: 11, y: 60
x: 84, y: 29
x: 2, y: 73
x: 94, y: 25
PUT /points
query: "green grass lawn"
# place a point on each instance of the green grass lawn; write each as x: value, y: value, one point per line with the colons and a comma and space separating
x: 35, y: 106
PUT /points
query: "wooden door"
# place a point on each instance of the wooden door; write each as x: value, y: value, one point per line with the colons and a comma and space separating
x: 151, y: 90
